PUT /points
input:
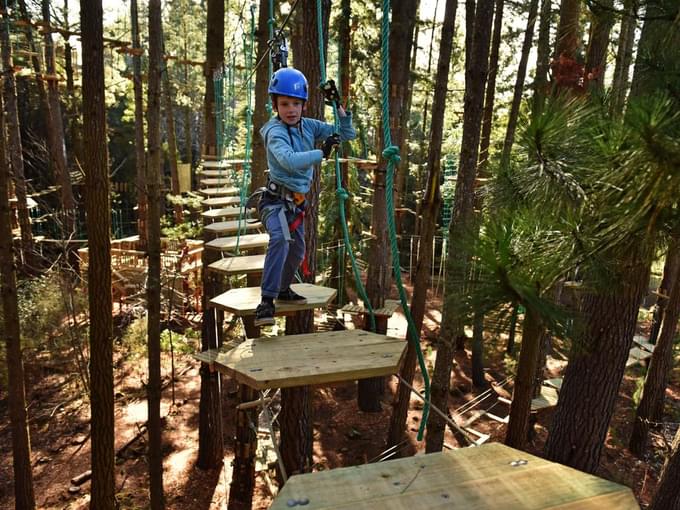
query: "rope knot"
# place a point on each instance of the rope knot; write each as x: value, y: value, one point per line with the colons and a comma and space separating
x: 391, y: 153
x: 342, y: 193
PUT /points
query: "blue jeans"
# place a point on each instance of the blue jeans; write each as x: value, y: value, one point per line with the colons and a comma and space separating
x: 283, y: 255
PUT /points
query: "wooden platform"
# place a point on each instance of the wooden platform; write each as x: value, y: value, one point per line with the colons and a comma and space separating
x: 224, y: 212
x: 493, y: 476
x: 216, y: 181
x: 225, y: 173
x: 221, y: 191
x: 223, y: 163
x: 239, y: 265
x: 388, y: 310
x: 228, y: 227
x: 243, y: 301
x: 315, y: 358
x: 245, y: 242
x: 221, y: 201
x: 636, y: 355
x: 547, y: 398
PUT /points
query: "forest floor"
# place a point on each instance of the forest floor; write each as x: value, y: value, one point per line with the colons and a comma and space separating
x: 343, y: 435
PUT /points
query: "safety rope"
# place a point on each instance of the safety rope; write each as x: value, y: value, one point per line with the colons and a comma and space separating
x: 391, y: 154
x: 341, y: 192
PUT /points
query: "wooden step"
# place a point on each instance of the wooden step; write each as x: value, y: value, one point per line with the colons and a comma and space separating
x: 224, y: 173
x: 226, y: 227
x: 220, y: 192
x: 245, y: 264
x: 636, y: 355
x: 220, y: 181
x: 245, y: 242
x: 225, y: 212
x: 221, y: 201
x: 243, y: 301
x: 223, y: 163
x: 387, y: 310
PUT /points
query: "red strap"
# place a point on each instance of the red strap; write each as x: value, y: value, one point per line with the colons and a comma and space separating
x: 297, y: 221
x: 293, y: 227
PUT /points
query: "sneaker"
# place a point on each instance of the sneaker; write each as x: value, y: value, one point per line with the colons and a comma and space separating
x: 291, y: 297
x: 264, y: 314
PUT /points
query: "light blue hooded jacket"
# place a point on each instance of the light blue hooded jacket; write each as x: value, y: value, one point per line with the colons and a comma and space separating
x: 291, y: 150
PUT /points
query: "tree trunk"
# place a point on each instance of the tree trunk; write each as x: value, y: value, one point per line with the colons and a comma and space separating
x: 596, y: 57
x: 98, y: 211
x: 74, y: 138
x: 153, y: 229
x: 57, y: 145
x: 462, y: 218
x: 670, y: 276
x: 624, y: 56
x: 140, y: 154
x: 490, y: 90
x: 262, y: 113
x: 378, y: 280
x: 213, y: 62
x: 210, y: 440
x: 656, y: 380
x: 519, y: 84
x: 518, y: 426
x: 172, y: 142
x: 16, y: 393
x: 568, y: 30
x: 430, y: 209
x: 14, y: 147
x: 667, y: 496
x: 296, y: 403
x: 542, y: 58
x: 245, y: 446
x: 596, y: 365
x: 658, y: 48
x: 339, y: 261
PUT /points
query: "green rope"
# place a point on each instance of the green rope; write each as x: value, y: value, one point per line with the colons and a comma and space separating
x: 391, y: 154
x: 341, y: 193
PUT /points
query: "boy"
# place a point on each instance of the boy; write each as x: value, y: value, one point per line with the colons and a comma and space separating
x: 290, y: 143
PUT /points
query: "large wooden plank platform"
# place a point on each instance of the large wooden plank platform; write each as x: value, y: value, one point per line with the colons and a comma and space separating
x: 246, y: 264
x: 227, y: 227
x: 315, y: 358
x: 245, y: 242
x: 221, y: 201
x: 492, y: 476
x: 221, y: 191
x: 243, y: 301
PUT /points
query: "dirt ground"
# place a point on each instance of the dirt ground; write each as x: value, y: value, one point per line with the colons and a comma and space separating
x: 343, y: 435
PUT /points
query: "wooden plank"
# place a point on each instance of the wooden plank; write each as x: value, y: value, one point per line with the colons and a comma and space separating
x: 239, y: 265
x: 219, y: 181
x: 387, y: 310
x: 225, y: 173
x: 642, y: 342
x: 224, y: 212
x: 220, y: 192
x: 243, y: 301
x: 547, y: 398
x: 315, y: 358
x: 226, y: 227
x: 487, y: 477
x: 221, y: 201
x: 555, y: 382
x: 245, y: 242
x: 636, y: 355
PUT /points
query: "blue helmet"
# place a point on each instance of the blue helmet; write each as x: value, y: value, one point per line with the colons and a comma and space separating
x: 289, y: 82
